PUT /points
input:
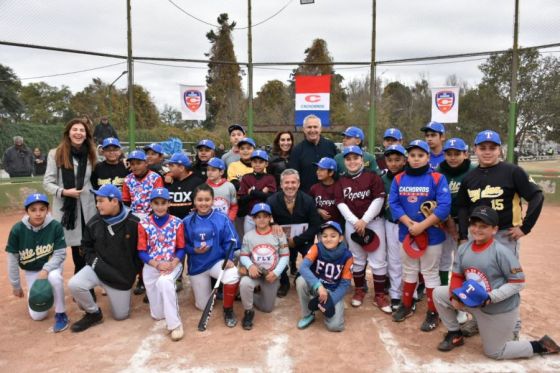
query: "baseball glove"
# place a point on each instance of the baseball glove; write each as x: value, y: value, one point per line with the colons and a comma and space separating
x: 427, y: 208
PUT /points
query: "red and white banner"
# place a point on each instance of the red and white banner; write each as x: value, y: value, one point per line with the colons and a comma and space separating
x: 193, y: 102
x: 313, y: 97
x: 445, y: 104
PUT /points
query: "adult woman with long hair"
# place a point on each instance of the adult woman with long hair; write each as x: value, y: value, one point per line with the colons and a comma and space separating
x: 67, y: 179
x: 281, y: 150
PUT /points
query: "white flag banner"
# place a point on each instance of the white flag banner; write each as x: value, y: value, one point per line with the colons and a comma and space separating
x: 193, y: 102
x: 445, y: 104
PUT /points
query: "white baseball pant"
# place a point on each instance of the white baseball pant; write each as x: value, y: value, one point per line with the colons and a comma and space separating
x: 201, y: 283
x: 377, y: 259
x: 394, y: 264
x: 57, y: 282
x: 448, y: 251
x: 161, y: 292
x: 427, y: 264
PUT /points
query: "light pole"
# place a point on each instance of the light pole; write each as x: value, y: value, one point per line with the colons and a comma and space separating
x: 131, y: 114
x: 250, y: 72
x: 111, y: 95
x: 372, y: 88
x: 513, y: 88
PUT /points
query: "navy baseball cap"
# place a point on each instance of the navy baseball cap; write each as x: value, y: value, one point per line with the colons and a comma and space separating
x: 487, y: 136
x: 471, y: 294
x: 435, y: 127
x: 207, y: 143
x: 393, y: 133
x: 261, y: 207
x: 487, y: 214
x: 136, y: 154
x: 354, y: 132
x: 247, y: 140
x: 154, y: 147
x: 332, y: 224
x: 327, y: 163
x: 41, y: 297
x: 159, y: 193
x: 353, y: 149
x: 234, y: 127
x: 259, y: 154
x: 396, y: 148
x: 34, y: 198
x: 455, y: 143
x: 421, y: 144
x: 110, y: 141
x: 108, y: 191
x: 217, y: 163
x: 180, y: 158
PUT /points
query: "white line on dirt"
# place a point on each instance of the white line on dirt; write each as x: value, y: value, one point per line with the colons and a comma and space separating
x: 277, y: 359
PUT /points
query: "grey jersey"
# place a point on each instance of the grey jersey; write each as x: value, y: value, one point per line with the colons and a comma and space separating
x: 230, y: 157
x: 225, y: 196
x: 496, y: 269
x: 265, y: 251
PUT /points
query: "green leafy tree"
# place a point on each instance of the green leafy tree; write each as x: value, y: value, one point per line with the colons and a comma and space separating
x: 11, y: 106
x: 46, y: 104
x: 274, y: 105
x: 226, y: 103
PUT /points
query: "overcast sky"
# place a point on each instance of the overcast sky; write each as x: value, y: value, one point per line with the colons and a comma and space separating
x: 405, y: 28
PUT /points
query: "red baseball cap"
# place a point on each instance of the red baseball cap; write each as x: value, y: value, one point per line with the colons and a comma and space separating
x: 415, y: 246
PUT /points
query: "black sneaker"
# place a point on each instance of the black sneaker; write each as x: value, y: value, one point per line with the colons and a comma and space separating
x: 293, y: 268
x: 229, y: 317
x: 431, y: 322
x: 402, y: 313
x: 248, y: 319
x: 548, y: 345
x: 146, y: 300
x: 283, y: 290
x: 451, y: 340
x: 139, y: 289
x: 395, y: 304
x: 86, y: 322
x: 414, y: 301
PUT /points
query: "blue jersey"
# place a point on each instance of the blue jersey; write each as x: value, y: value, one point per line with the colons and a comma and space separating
x: 436, y: 159
x: 214, y: 230
x: 408, y: 192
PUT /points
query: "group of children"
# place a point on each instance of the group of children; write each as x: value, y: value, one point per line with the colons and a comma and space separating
x: 403, y: 222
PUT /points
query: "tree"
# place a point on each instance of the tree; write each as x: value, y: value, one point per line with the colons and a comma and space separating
x: 224, y: 96
x: 171, y: 116
x: 46, y: 104
x: 319, y: 53
x: 396, y: 106
x: 10, y: 104
x: 274, y: 105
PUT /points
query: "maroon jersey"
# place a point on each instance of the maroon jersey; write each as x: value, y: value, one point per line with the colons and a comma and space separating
x: 250, y: 191
x: 324, y: 199
x: 357, y: 192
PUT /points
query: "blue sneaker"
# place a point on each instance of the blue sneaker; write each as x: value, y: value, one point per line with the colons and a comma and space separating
x: 60, y: 322
x: 306, y: 321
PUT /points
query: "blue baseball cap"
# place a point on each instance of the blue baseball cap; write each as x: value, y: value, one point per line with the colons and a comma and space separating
x: 159, y: 193
x: 393, y: 133
x: 261, y: 207
x: 180, y: 158
x: 207, y: 143
x: 247, y: 140
x: 217, y: 163
x: 136, y: 154
x: 259, y: 154
x: 110, y: 141
x: 487, y: 136
x: 434, y: 127
x: 154, y: 147
x: 455, y: 143
x: 332, y: 224
x: 354, y: 132
x: 421, y: 144
x: 36, y: 197
x: 471, y: 294
x: 327, y: 163
x: 396, y: 148
x: 108, y: 191
x: 353, y: 149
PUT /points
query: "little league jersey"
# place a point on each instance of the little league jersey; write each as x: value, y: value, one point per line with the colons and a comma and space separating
x: 251, y: 181
x: 325, y: 199
x: 181, y: 195
x: 370, y: 163
x: 330, y: 272
x: 225, y: 195
x: 264, y: 250
x: 387, y: 180
x: 161, y: 242
x: 35, y: 248
x: 436, y: 159
x: 357, y: 192
x: 454, y: 177
x: 236, y: 170
x: 105, y: 173
x: 491, y: 268
x: 137, y: 191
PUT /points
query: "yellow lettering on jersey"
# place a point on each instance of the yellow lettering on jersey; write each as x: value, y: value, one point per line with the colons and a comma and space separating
x: 474, y: 194
x: 491, y: 192
x: 454, y: 186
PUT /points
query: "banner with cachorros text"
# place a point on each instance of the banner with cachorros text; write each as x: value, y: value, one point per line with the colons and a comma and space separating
x: 313, y: 97
x: 193, y: 102
x: 445, y: 104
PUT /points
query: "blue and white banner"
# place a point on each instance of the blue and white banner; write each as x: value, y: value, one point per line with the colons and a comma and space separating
x: 445, y: 104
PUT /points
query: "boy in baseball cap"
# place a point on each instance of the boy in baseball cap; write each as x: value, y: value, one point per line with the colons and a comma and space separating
x: 182, y: 186
x: 354, y: 136
x: 236, y: 133
x: 112, y: 170
x: 317, y: 288
x: 236, y: 170
x: 434, y: 133
x: 323, y: 191
x: 225, y: 195
x: 205, y: 149
x: 36, y: 245
x: 391, y: 136
x: 155, y: 157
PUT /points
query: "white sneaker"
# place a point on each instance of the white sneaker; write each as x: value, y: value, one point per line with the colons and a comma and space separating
x: 177, y: 333
x: 462, y: 317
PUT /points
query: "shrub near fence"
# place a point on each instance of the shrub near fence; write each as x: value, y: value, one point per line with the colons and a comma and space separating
x: 43, y: 136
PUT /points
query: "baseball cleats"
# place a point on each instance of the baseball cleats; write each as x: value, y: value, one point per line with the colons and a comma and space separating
x: 470, y: 328
x: 451, y: 340
x: 248, y: 317
x: 431, y: 322
x: 139, y: 289
x: 306, y: 321
x: 402, y: 313
x: 177, y: 333
x: 358, y: 297
x: 178, y: 285
x: 283, y: 290
x: 229, y: 317
x: 462, y: 317
x: 86, y: 322
x: 60, y: 322
x: 548, y: 345
x: 382, y: 303
x: 395, y: 303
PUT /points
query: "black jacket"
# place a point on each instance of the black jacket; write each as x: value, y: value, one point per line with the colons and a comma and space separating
x: 305, y: 211
x: 276, y: 165
x: 114, y: 258
x: 103, y: 131
x: 305, y: 155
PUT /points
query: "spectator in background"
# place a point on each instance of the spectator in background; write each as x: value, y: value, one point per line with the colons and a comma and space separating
x: 236, y: 133
x: 307, y: 153
x: 103, y: 130
x: 39, y: 162
x: 281, y: 150
x: 18, y: 159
